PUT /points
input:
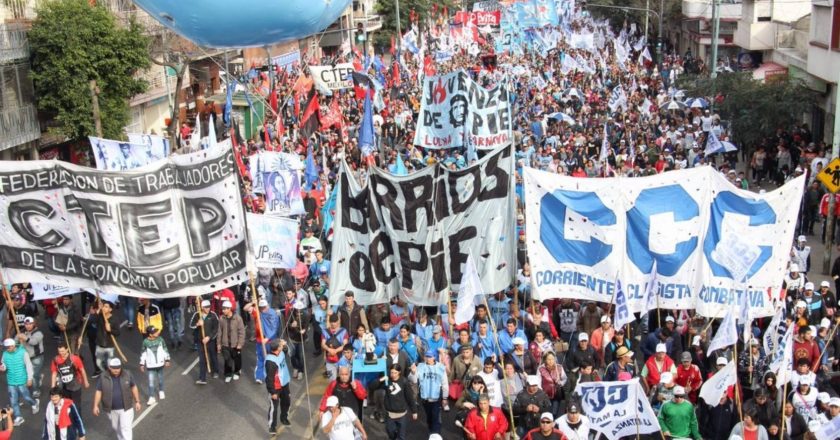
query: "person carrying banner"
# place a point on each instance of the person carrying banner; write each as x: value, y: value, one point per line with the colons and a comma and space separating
x: 230, y: 341
x: 270, y: 330
x: 207, y: 319
x: 677, y: 418
x: 68, y: 319
x: 107, y: 329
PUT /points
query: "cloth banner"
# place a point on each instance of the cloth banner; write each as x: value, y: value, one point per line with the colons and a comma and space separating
x: 169, y: 229
x: 480, y: 18
x: 41, y: 292
x: 276, y: 176
x: 457, y: 111
x: 159, y: 144
x: 333, y: 77
x: 470, y: 292
x: 617, y: 409
x: 114, y: 155
x: 411, y: 235
x: 713, y: 389
x: 582, y: 233
x: 274, y: 241
x: 829, y: 431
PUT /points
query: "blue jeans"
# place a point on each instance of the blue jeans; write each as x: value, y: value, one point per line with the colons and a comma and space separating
x: 174, y: 324
x: 259, y: 371
x: 155, y: 376
x: 37, y: 366
x: 129, y: 306
x: 17, y: 392
x: 396, y: 427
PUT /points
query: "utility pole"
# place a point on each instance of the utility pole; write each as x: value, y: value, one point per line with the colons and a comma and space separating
x: 399, y: 25
x: 97, y: 122
x: 647, y: 17
x: 715, y: 35
x: 659, y: 45
x: 835, y: 150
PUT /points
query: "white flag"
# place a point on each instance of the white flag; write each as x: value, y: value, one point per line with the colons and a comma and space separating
x: 726, y: 335
x: 713, y: 144
x: 714, y: 388
x: 470, y: 292
x: 195, y: 137
x: 617, y: 409
x: 605, y: 146
x: 211, y: 132
x: 775, y: 331
x: 652, y: 290
x: 782, y: 364
x: 829, y: 431
x: 622, y: 310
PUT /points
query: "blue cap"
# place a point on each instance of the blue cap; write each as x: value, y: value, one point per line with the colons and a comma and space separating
x: 430, y: 353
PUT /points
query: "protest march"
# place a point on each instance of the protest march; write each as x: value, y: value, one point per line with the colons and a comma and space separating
x: 512, y: 226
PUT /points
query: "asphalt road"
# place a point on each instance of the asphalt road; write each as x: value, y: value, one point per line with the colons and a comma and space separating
x: 237, y: 410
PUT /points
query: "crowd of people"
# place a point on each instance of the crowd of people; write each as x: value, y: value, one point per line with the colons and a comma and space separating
x: 510, y: 372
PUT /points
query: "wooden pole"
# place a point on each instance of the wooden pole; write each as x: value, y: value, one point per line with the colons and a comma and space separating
x: 113, y: 339
x: 203, y: 335
x: 10, y: 305
x: 259, y: 318
x: 737, y: 384
x: 782, y: 412
x: 827, y: 341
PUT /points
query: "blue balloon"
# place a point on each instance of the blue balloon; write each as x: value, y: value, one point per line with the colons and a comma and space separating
x: 244, y: 23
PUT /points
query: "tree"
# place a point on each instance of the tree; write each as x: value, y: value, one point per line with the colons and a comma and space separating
x: 73, y: 43
x: 755, y: 109
x: 175, y: 52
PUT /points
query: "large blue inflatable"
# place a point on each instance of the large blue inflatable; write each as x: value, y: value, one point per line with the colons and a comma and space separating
x: 244, y: 23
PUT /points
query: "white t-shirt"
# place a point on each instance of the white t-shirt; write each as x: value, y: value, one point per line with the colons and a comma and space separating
x: 344, y: 426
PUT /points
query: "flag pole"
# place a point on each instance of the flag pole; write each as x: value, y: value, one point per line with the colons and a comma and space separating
x: 830, y: 336
x: 203, y: 335
x: 113, y: 339
x: 501, y: 359
x: 9, y: 302
x: 259, y: 317
x: 737, y: 382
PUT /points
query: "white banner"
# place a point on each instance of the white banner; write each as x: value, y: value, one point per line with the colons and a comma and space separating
x: 456, y: 111
x: 411, y: 235
x: 582, y: 232
x: 49, y: 291
x: 114, y: 155
x: 713, y: 389
x: 333, y: 77
x: 276, y: 176
x: 274, y: 241
x: 159, y: 144
x: 617, y: 409
x: 173, y: 228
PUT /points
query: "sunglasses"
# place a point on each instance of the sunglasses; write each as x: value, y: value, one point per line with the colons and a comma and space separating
x: 546, y: 422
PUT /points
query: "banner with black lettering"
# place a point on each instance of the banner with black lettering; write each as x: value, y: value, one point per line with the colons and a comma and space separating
x: 274, y: 241
x: 169, y: 229
x: 335, y: 77
x: 456, y: 112
x: 617, y: 409
x: 705, y: 241
x: 409, y: 236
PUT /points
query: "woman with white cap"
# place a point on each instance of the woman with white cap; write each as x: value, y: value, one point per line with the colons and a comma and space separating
x: 804, y: 399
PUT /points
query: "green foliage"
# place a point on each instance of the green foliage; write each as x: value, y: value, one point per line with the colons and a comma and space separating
x: 73, y: 43
x: 754, y: 108
x: 387, y: 10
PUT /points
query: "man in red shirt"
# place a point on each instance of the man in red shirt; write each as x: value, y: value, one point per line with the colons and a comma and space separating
x: 546, y: 431
x: 689, y: 377
x: 68, y: 372
x: 804, y: 347
x: 485, y: 422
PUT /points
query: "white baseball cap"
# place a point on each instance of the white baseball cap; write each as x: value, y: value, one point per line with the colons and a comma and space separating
x: 534, y: 380
x: 661, y: 348
x: 824, y: 397
x: 825, y: 284
x: 605, y: 319
x: 263, y: 303
x: 794, y: 268
x: 834, y: 401
x: 825, y: 323
x: 205, y: 303
x: 809, y: 286
x: 115, y: 363
x: 801, y: 238
x: 679, y: 391
x: 721, y: 361
x: 227, y: 305
x: 332, y: 401
x: 583, y: 336
x: 666, y: 378
x: 8, y: 342
x: 669, y: 319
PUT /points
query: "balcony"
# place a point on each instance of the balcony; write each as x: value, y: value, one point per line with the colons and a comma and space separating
x: 125, y: 11
x: 370, y: 22
x: 18, y: 125
x: 13, y: 42
x: 729, y: 10
x: 157, y: 79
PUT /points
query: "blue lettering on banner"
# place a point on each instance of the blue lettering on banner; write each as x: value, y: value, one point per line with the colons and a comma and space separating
x: 666, y: 199
x: 726, y: 296
x: 759, y: 212
x: 554, y: 209
x: 575, y: 278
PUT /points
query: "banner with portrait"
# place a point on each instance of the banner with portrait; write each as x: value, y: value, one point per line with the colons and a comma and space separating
x: 112, y: 155
x: 276, y: 176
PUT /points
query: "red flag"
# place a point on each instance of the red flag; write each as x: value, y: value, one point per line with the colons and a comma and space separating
x: 310, y: 121
x: 428, y: 66
x: 273, y: 99
x: 268, y: 146
x: 281, y: 127
x: 393, y: 47
x: 333, y: 116
x: 396, y: 75
x: 237, y: 155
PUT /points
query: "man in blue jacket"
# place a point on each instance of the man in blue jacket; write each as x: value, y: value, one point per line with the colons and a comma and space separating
x: 270, y: 327
x: 434, y: 387
x: 277, y: 383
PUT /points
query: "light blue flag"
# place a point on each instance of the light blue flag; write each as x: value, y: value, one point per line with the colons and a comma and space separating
x: 400, y: 169
x: 366, y: 133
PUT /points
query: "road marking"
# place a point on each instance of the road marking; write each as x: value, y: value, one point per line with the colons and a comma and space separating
x: 192, y: 365
x: 143, y: 415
